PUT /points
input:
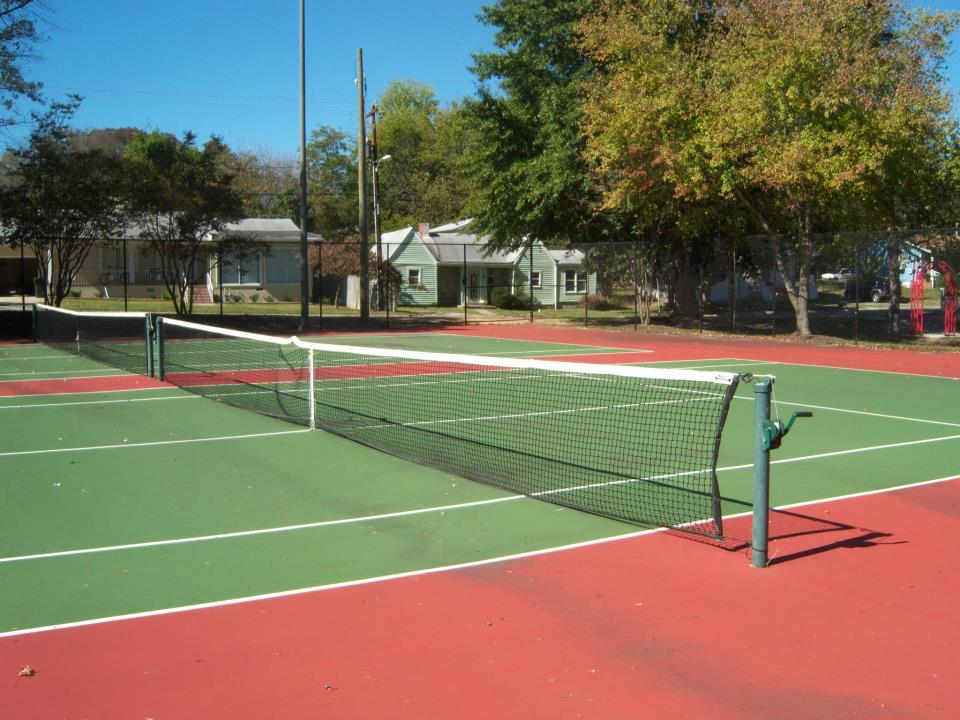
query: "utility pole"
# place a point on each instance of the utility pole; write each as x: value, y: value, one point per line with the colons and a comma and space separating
x: 304, y: 257
x: 374, y: 161
x: 362, y: 191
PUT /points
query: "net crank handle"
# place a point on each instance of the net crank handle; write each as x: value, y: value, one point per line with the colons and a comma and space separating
x: 774, y: 432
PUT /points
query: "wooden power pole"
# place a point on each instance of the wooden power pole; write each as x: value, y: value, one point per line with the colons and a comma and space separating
x: 362, y: 191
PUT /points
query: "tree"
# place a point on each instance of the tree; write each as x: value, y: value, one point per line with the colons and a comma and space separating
x: 263, y: 180
x: 61, y: 201
x: 526, y: 163
x: 783, y: 106
x: 335, y: 259
x: 332, y: 182
x: 181, y: 195
x: 424, y: 179
x: 18, y: 34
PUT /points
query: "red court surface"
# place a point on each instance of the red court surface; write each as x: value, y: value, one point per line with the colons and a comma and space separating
x: 855, y: 619
x: 695, y: 347
x: 55, y: 386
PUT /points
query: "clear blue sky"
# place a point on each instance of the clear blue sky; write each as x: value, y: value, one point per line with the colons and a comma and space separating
x: 231, y: 67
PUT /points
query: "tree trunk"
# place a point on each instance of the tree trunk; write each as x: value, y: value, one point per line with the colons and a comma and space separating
x: 797, y: 290
x: 685, y: 287
x: 893, y: 286
x: 732, y: 286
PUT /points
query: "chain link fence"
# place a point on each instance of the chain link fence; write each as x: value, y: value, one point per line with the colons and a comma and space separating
x: 733, y: 284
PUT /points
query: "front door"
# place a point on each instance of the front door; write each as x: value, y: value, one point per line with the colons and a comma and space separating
x: 473, y: 288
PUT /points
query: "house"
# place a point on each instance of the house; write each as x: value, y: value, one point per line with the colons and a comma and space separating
x: 17, y: 270
x: 448, y: 266
x: 270, y: 270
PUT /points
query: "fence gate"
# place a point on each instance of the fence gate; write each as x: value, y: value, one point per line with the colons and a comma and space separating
x: 949, y: 299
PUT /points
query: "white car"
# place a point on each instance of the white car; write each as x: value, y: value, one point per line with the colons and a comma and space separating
x: 841, y: 275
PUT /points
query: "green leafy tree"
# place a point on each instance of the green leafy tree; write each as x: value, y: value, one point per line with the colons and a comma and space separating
x: 424, y: 179
x: 783, y: 106
x: 60, y: 201
x: 527, y: 166
x: 332, y: 183
x: 18, y: 34
x: 181, y: 195
x: 264, y: 183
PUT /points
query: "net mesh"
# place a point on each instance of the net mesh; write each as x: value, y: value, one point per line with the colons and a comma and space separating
x: 635, y: 444
x: 117, y: 339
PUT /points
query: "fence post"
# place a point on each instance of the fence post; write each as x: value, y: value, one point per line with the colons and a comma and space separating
x: 125, y: 280
x: 636, y: 285
x: 220, y: 275
x: 530, y: 279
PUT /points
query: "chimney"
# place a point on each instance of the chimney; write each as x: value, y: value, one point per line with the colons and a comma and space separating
x: 424, y: 229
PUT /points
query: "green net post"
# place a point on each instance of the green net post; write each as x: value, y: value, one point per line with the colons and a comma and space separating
x: 33, y: 322
x: 160, y: 362
x: 149, y: 345
x: 762, y: 390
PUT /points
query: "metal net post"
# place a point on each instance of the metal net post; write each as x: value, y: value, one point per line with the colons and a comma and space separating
x: 762, y: 390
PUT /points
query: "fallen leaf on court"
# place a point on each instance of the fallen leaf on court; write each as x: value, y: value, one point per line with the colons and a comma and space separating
x: 27, y: 671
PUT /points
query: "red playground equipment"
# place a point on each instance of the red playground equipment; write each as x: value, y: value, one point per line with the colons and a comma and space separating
x: 949, y: 296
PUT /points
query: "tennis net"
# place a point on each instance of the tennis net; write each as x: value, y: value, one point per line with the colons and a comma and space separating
x: 122, y: 340
x: 635, y: 444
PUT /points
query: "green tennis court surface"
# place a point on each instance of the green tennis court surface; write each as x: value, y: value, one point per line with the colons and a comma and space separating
x: 124, y: 503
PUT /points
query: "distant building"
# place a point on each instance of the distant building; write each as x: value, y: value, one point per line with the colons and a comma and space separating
x: 447, y: 266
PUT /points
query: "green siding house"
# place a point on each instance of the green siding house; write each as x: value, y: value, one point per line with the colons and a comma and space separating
x: 446, y: 266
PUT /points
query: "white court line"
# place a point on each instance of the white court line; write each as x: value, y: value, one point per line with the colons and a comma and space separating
x: 32, y: 375
x: 151, y: 444
x: 723, y: 365
x: 840, y: 367
x: 838, y: 453
x: 261, y: 531
x: 64, y: 356
x: 458, y: 506
x: 858, y: 412
x: 98, y: 402
x: 424, y: 571
x: 86, y: 392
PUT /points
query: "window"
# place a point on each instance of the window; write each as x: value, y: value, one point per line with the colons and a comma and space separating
x: 243, y: 270
x: 413, y: 276
x: 283, y: 266
x: 535, y: 279
x: 576, y: 282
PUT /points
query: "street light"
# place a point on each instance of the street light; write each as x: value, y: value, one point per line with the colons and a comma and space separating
x: 376, y: 228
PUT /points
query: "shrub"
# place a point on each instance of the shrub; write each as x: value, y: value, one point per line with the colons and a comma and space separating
x: 598, y: 302
x: 505, y: 300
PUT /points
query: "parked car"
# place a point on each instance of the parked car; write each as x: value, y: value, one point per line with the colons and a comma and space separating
x: 870, y: 288
x: 841, y: 275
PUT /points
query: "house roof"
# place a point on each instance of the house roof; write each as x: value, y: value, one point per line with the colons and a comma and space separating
x: 567, y: 257
x: 265, y: 230
x: 392, y: 241
x: 452, y: 227
x: 452, y: 247
x: 268, y: 230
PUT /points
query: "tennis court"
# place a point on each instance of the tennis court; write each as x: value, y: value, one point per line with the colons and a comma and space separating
x: 162, y: 554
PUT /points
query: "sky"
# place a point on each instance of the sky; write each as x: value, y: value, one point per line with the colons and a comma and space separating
x: 231, y: 67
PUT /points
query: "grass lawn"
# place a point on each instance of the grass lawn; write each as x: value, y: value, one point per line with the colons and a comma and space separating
x: 166, y: 306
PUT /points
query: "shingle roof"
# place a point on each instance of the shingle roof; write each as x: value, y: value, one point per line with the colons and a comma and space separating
x: 567, y: 257
x: 265, y: 230
x: 449, y: 247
